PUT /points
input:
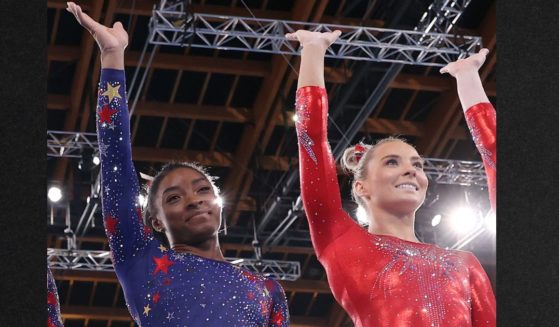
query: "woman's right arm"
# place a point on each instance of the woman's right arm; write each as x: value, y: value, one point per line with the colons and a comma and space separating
x: 120, y: 188
x: 319, y: 182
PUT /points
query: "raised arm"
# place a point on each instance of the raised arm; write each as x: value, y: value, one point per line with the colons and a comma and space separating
x: 480, y: 114
x: 120, y: 188
x: 319, y: 183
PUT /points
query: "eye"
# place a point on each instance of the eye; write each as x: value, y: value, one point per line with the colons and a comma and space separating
x: 205, y: 189
x: 391, y: 162
x: 418, y: 165
x: 171, y: 198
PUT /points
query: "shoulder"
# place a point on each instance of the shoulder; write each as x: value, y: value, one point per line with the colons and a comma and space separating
x: 468, y: 257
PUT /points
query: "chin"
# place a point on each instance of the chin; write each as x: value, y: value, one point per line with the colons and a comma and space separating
x: 407, y: 205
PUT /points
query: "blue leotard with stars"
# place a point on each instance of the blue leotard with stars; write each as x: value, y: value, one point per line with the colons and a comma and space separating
x: 163, y: 287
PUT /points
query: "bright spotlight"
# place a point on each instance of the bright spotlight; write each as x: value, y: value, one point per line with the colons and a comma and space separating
x: 362, y: 217
x: 295, y: 118
x: 142, y: 200
x: 436, y: 220
x: 219, y: 201
x: 491, y: 222
x: 96, y: 160
x: 464, y: 219
x: 55, y: 194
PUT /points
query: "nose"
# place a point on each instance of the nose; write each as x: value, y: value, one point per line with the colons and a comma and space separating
x: 410, y: 171
x: 194, y: 202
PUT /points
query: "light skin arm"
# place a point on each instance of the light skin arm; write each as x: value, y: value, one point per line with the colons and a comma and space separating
x: 468, y: 82
x: 311, y: 71
x: 111, y: 41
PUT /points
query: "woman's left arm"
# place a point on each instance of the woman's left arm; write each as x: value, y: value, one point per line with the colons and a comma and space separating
x: 479, y: 112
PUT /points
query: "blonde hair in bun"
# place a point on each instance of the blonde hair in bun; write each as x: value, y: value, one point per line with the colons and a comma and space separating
x: 355, y: 159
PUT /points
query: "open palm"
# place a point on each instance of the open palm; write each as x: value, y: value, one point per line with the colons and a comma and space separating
x: 109, y: 39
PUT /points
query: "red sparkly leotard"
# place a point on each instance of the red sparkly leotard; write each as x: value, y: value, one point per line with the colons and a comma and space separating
x: 382, y: 280
x: 482, y: 122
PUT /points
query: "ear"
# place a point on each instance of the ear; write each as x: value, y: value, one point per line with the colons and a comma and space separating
x: 157, y: 224
x: 361, y: 189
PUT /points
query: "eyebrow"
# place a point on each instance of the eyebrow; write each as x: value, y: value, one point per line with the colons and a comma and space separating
x: 398, y: 157
x: 175, y: 188
x: 198, y: 180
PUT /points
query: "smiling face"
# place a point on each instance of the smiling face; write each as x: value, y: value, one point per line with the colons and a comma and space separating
x: 186, y: 207
x: 395, y: 181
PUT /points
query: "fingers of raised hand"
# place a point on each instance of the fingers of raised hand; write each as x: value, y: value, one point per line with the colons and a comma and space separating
x: 292, y: 36
x: 118, y: 25
x: 333, y: 36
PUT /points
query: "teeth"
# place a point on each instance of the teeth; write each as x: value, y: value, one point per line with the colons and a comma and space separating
x: 407, y: 186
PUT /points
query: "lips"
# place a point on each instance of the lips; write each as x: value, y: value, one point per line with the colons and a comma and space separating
x: 408, y: 186
x: 198, y: 213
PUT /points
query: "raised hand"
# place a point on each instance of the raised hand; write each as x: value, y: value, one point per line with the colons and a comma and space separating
x: 109, y: 39
x: 324, y: 39
x: 470, y: 64
x: 311, y: 71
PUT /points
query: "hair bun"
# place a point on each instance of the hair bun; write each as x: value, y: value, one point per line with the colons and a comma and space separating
x: 352, y: 156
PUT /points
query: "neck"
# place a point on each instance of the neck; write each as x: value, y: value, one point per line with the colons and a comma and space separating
x: 398, y: 225
x: 208, y: 249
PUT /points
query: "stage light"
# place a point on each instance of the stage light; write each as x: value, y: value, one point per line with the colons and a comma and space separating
x: 464, y: 219
x: 362, y: 217
x: 142, y: 200
x: 96, y: 160
x: 295, y: 118
x: 219, y: 201
x: 491, y: 222
x: 436, y: 220
x: 86, y: 162
x: 55, y: 194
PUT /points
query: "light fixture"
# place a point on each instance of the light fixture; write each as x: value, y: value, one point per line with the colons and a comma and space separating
x: 55, y: 194
x: 96, y: 160
x: 295, y: 118
x: 491, y: 222
x: 219, y: 201
x: 464, y: 220
x: 436, y: 220
x: 142, y: 200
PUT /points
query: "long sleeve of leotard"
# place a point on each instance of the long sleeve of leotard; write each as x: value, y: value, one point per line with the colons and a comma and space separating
x: 53, y: 305
x: 482, y: 122
x: 319, y: 182
x: 120, y: 188
x: 483, y: 299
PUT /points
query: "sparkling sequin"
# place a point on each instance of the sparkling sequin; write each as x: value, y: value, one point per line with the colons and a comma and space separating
x: 482, y: 122
x: 162, y: 287
x: 301, y: 107
x: 53, y: 307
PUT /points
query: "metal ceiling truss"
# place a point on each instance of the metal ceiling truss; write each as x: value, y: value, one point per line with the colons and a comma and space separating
x: 170, y: 25
x: 442, y: 171
x: 69, y: 144
x: 441, y: 16
x: 101, y: 261
x: 432, y: 19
